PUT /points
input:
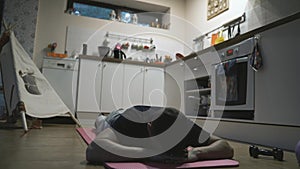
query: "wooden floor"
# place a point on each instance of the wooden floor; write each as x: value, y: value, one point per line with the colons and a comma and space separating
x: 58, y: 146
x: 55, y: 146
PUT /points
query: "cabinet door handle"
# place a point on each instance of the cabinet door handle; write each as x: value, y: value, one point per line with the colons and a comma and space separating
x: 146, y: 69
x: 195, y: 98
x: 104, y: 65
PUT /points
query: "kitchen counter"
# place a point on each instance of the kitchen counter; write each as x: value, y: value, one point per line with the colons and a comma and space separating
x: 126, y: 61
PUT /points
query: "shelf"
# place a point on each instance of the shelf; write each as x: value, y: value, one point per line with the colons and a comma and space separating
x: 200, y: 84
x: 130, y: 38
x: 199, y: 90
x: 197, y: 94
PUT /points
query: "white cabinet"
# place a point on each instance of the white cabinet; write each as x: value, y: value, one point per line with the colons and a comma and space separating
x: 154, y: 94
x: 112, y: 86
x: 107, y: 86
x: 174, y: 86
x: 89, y: 85
x: 143, y: 85
x: 133, y: 85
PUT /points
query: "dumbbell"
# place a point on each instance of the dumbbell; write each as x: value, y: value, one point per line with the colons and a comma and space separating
x: 277, y: 153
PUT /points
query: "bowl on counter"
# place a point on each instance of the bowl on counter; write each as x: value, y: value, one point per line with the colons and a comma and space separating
x: 179, y: 56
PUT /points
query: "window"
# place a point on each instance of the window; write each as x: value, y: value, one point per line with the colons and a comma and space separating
x: 126, y: 16
x: 134, y: 12
x: 92, y: 11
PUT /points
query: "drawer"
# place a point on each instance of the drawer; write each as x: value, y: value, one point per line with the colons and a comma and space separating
x: 194, y: 68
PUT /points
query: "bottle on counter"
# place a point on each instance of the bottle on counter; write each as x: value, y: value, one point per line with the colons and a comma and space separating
x: 84, y: 49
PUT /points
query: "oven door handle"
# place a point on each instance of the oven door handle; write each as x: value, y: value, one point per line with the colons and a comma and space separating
x: 242, y: 59
x: 238, y: 60
x: 195, y: 98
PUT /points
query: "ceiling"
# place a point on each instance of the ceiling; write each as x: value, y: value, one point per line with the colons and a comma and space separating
x: 136, y: 5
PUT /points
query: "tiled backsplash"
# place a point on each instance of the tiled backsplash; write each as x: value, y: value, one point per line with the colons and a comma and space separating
x: 263, y: 12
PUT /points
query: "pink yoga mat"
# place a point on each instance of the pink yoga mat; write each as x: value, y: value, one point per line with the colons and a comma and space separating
x: 198, y: 164
x: 88, y: 136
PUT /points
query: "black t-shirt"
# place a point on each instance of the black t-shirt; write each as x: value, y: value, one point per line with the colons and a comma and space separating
x: 133, y: 122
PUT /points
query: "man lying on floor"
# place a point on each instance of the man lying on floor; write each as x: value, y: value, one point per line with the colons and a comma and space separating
x: 144, y: 133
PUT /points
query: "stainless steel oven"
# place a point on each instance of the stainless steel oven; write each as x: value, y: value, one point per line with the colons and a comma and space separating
x: 232, y: 82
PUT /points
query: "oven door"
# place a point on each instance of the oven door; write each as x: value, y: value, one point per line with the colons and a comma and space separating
x: 233, y: 85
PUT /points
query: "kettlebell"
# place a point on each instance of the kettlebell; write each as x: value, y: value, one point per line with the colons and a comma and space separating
x: 276, y: 153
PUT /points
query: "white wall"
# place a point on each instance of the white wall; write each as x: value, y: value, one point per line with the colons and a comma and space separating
x: 262, y: 12
x: 258, y: 13
x: 53, y: 22
x: 196, y: 14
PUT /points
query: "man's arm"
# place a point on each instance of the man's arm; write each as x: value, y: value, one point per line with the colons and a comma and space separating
x: 216, y: 149
x: 113, y: 151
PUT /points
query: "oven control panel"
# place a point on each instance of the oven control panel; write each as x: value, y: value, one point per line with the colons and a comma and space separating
x: 241, y: 49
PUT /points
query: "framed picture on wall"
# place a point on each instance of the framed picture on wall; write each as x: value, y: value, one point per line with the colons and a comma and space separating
x: 216, y: 7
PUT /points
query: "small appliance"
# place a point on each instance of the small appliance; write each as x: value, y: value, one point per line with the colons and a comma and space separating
x: 118, y: 53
